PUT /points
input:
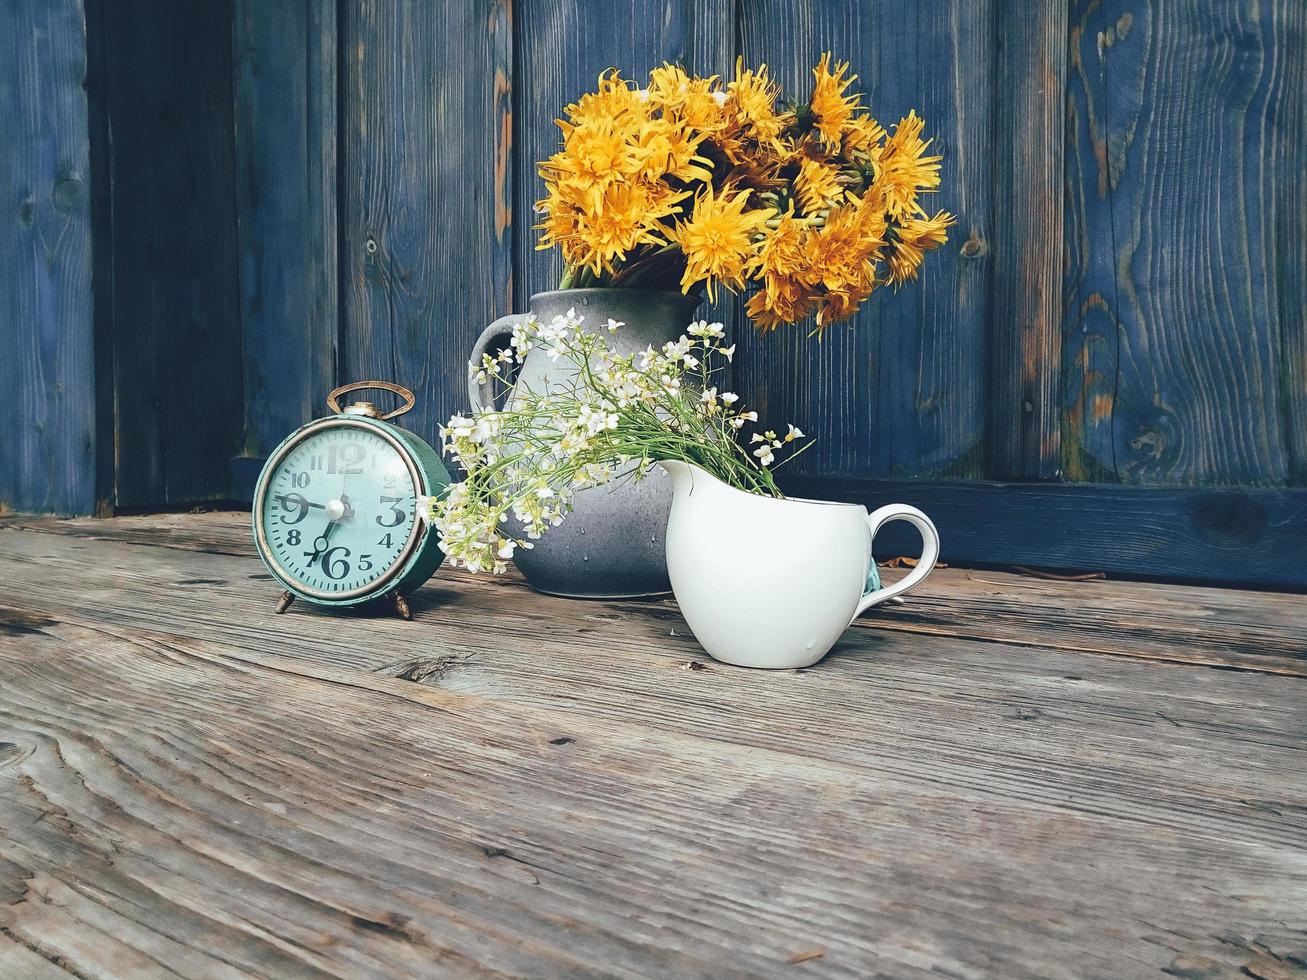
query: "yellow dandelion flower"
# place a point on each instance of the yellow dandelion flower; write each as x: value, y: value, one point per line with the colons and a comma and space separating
x: 717, y: 240
x: 613, y: 98
x: 627, y: 216
x: 591, y: 157
x: 864, y: 134
x: 787, y: 295
x: 751, y: 99
x: 903, y: 170
x: 693, y: 102
x: 912, y: 240
x: 668, y: 88
x: 668, y: 149
x: 817, y: 185
x: 831, y: 108
x: 780, y: 256
x: 843, y: 255
x: 769, y: 311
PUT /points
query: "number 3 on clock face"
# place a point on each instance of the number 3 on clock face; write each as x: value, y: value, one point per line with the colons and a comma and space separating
x: 336, y: 516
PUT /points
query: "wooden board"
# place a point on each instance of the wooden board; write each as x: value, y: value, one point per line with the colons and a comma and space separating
x: 47, y: 367
x: 1182, y: 126
x: 173, y: 311
x: 285, y: 118
x: 898, y: 392
x: 199, y: 786
x: 1221, y: 627
x: 424, y: 249
x: 1023, y: 434
x: 1231, y: 535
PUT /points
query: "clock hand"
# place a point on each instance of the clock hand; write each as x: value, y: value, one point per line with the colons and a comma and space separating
x: 321, y: 542
x: 283, y: 497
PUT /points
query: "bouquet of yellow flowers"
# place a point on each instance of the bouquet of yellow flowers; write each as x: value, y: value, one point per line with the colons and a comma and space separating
x: 703, y: 183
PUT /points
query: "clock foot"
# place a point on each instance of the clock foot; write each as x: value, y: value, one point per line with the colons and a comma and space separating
x: 284, y: 602
x: 402, y: 607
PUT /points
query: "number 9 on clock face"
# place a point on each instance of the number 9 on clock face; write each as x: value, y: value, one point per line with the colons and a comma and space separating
x: 336, y: 510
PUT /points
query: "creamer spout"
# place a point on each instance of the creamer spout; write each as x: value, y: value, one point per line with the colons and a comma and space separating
x: 682, y: 478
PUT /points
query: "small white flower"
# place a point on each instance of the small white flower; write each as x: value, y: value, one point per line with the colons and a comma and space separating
x: 702, y: 328
x: 728, y: 353
x: 757, y: 438
x: 794, y: 433
x: 614, y: 324
x: 730, y: 397
x: 765, y: 455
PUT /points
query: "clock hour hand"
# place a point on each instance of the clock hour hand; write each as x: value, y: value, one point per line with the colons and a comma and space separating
x: 337, y: 511
x: 321, y: 542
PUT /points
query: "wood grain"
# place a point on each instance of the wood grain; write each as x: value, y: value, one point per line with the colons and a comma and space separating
x: 424, y: 254
x: 1179, y: 160
x: 1230, y: 628
x: 174, y: 315
x: 285, y: 118
x: 197, y: 785
x: 899, y: 391
x: 1023, y: 429
x: 47, y: 368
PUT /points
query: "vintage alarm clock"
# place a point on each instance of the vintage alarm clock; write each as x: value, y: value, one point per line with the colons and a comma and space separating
x: 336, y: 507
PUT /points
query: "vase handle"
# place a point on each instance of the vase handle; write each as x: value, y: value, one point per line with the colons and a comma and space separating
x: 477, y: 392
x: 929, y: 552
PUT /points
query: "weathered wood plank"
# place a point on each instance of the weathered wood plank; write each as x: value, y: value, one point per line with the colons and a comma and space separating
x: 540, y: 805
x: 501, y: 641
x: 1224, y: 627
x: 1217, y: 534
x: 898, y: 393
x: 284, y: 64
x: 1285, y: 95
x: 1178, y: 168
x: 425, y: 220
x: 47, y: 369
x: 1023, y: 402
x: 174, y: 318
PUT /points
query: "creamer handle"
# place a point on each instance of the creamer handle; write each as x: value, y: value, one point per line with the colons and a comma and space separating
x: 929, y: 551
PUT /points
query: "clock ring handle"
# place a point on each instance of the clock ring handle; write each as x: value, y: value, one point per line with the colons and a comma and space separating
x: 404, y: 393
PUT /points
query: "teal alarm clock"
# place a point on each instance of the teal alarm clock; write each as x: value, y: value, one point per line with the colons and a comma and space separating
x: 337, y: 507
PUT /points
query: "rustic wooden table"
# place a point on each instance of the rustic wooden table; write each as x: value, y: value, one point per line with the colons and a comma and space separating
x: 1005, y: 777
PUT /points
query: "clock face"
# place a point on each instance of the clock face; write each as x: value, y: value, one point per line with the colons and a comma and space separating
x: 339, y: 511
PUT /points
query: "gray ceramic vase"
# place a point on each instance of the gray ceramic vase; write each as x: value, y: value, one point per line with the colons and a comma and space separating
x: 612, y: 544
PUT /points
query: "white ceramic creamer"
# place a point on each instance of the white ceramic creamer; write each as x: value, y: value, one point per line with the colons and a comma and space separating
x: 771, y: 582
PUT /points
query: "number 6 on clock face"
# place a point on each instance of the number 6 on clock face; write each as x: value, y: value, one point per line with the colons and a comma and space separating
x: 336, y: 510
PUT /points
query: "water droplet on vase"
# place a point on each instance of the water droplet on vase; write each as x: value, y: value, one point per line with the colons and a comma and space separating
x: 810, y: 644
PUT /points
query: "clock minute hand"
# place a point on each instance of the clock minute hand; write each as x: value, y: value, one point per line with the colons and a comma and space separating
x: 283, y: 497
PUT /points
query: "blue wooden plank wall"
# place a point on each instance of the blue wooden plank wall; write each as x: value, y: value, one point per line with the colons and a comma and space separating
x: 309, y: 192
x: 47, y: 374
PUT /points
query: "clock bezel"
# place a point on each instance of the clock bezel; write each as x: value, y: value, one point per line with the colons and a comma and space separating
x: 380, y: 586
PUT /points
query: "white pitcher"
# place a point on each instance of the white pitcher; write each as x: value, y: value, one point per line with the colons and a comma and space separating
x: 769, y: 582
